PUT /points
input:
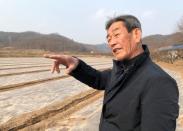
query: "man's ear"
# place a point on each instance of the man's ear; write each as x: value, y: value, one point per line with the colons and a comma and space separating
x: 137, y: 35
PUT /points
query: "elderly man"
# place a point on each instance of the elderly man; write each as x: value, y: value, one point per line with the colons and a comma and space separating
x: 139, y: 95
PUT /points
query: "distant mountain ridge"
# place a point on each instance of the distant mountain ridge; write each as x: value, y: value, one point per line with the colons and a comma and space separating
x: 51, y: 42
x: 103, y: 47
x: 157, y: 41
x: 58, y: 43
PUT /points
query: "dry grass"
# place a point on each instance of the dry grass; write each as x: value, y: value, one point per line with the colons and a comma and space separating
x: 21, y: 53
x: 11, y: 52
x: 180, y: 121
x: 177, y: 66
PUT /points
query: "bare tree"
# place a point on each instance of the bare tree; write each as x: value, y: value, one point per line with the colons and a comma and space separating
x: 180, y: 25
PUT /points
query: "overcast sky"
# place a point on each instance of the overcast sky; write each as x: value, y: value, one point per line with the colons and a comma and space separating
x: 84, y: 20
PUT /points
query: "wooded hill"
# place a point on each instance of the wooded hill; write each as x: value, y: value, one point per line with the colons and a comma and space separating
x: 50, y: 42
x: 157, y: 41
x: 59, y: 43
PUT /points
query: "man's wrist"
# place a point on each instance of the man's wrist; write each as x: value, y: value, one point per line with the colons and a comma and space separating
x: 76, y: 63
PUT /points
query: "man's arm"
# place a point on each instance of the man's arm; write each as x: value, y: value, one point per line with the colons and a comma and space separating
x: 80, y: 70
x: 160, y: 105
x: 90, y: 76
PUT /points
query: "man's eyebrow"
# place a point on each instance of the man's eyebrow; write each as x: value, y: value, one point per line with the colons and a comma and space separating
x: 115, y: 29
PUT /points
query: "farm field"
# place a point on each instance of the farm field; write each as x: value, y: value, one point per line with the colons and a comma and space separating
x: 32, y: 98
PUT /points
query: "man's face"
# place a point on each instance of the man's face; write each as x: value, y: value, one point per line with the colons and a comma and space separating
x: 124, y: 45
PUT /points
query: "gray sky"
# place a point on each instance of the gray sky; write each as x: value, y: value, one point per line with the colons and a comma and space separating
x: 84, y: 20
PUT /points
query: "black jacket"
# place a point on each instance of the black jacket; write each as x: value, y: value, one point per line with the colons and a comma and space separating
x: 139, y: 95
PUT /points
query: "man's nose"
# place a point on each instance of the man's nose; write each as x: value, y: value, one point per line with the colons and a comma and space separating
x: 112, y: 43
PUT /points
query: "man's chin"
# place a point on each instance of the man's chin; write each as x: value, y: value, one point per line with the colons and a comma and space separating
x: 119, y: 58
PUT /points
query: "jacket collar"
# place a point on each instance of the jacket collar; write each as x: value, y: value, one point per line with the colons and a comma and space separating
x: 136, y: 61
x: 122, y: 70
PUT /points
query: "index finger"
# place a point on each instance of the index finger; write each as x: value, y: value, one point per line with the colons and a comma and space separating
x: 60, y: 58
x: 51, y: 56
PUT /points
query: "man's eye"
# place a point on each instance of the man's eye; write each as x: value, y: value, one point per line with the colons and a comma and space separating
x: 116, y: 35
x: 108, y: 40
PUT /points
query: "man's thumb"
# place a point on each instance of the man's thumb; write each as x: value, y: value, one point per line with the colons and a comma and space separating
x: 70, y: 69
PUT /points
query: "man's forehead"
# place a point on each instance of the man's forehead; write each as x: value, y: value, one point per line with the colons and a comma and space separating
x: 115, y: 27
x: 116, y: 24
x: 112, y: 31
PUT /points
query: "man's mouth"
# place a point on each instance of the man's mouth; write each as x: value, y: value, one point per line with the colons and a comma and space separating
x: 116, y: 50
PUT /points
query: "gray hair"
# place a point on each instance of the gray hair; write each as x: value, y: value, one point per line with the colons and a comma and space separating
x: 130, y: 22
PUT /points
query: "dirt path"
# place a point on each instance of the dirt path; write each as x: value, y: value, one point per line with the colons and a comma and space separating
x: 177, y: 67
